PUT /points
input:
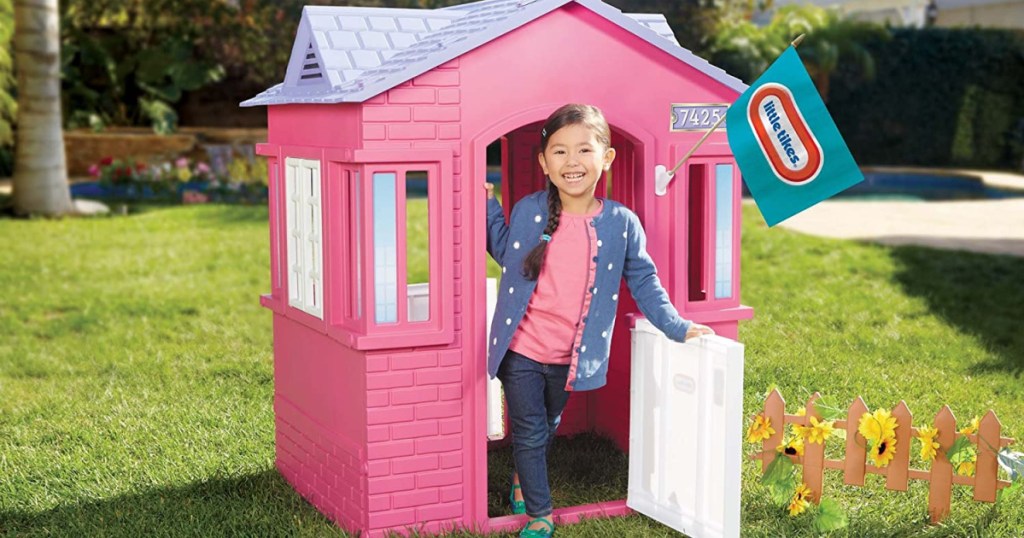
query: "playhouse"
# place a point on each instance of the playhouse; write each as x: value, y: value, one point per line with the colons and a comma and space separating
x: 380, y: 381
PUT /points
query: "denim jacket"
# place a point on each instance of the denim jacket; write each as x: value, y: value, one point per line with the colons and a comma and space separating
x: 621, y: 252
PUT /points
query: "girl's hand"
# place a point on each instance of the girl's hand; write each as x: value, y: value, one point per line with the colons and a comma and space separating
x: 489, y: 187
x: 697, y: 330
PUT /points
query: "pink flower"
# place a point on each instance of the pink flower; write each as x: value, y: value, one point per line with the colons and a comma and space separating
x: 182, y: 162
x: 203, y: 168
x: 94, y: 170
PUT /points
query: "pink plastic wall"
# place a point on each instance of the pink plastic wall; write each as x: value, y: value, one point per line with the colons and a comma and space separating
x: 414, y: 418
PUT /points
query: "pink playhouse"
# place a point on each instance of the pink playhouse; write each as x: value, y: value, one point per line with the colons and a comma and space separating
x: 380, y: 381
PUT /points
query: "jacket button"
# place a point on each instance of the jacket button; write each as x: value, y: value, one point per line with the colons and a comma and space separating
x: 595, y: 258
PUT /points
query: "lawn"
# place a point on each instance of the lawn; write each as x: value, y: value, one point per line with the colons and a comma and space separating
x: 136, y: 378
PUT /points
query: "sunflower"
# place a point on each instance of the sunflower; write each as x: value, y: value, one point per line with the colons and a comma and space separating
x: 965, y: 468
x: 970, y: 428
x: 760, y: 430
x: 801, y: 500
x: 929, y: 446
x: 883, y: 452
x: 819, y: 431
x: 801, y: 412
x: 795, y: 447
x: 877, y: 426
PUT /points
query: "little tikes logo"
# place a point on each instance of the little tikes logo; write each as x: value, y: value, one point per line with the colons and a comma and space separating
x: 793, y: 152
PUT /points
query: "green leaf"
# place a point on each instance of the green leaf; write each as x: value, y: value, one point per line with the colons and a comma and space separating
x: 957, y: 451
x: 830, y: 516
x: 780, y: 478
x: 828, y: 410
x: 1013, y: 462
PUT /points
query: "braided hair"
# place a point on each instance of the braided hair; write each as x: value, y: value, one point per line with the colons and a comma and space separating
x: 572, y: 114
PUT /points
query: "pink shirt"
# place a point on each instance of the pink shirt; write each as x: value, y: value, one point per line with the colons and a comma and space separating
x: 550, y: 327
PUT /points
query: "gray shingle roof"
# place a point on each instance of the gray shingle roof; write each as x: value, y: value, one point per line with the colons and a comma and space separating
x: 350, y: 54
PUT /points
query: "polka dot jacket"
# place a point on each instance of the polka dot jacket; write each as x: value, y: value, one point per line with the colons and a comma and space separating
x: 621, y: 253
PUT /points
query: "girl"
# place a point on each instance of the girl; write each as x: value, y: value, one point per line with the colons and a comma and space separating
x: 563, y: 254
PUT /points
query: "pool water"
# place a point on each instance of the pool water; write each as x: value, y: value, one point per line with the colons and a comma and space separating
x: 878, y: 185
x: 920, y: 187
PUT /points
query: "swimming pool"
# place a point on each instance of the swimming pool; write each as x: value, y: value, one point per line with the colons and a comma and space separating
x: 924, y: 186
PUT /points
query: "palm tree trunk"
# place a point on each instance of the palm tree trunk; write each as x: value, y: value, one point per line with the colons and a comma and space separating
x: 40, y: 174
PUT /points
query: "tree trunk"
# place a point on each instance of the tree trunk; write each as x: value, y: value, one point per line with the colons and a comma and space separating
x: 40, y: 173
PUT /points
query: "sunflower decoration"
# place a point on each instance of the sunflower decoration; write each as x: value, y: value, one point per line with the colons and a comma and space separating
x: 929, y: 446
x: 878, y: 425
x: 802, y: 412
x: 800, y: 430
x: 971, y: 427
x: 795, y: 447
x: 760, y: 429
x: 882, y: 452
x: 965, y: 468
x: 817, y: 432
x: 801, y: 500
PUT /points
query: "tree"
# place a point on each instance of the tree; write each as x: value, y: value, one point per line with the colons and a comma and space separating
x: 746, y: 50
x: 831, y: 39
x: 40, y: 171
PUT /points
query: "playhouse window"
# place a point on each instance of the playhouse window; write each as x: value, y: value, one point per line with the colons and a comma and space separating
x: 711, y: 230
x: 402, y: 248
x: 304, y: 236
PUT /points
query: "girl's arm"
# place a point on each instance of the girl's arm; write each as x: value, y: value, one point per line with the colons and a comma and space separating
x: 497, y: 230
x: 642, y: 278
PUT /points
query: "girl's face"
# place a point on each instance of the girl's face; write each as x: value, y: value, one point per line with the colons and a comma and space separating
x: 575, y: 160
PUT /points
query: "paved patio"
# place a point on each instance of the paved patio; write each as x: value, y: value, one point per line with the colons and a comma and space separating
x: 992, y: 227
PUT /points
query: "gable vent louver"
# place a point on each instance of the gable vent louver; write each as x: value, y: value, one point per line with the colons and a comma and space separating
x: 312, y: 72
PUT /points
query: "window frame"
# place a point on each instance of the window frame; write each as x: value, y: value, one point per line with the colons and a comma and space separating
x: 708, y: 237
x: 364, y: 332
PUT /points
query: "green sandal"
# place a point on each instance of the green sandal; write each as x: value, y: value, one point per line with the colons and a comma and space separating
x: 527, y: 532
x: 518, y: 507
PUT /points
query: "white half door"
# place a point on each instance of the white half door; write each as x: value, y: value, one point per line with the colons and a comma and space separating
x: 685, y: 432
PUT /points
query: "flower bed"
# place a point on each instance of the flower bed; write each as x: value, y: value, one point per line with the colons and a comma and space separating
x: 240, y: 180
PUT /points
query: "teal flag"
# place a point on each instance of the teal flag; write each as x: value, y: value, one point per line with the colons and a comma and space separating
x: 787, y: 147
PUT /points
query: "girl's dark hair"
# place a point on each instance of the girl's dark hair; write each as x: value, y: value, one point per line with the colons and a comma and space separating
x: 572, y: 114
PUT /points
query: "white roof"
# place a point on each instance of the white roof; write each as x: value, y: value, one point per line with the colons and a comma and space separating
x: 350, y: 54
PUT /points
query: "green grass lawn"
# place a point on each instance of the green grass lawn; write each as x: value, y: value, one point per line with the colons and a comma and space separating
x: 136, y: 378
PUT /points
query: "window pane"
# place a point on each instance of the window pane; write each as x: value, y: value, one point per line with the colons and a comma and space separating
x: 385, y: 247
x: 723, y: 231
x: 417, y: 244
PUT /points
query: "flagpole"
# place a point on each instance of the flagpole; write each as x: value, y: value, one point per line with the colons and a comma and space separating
x: 796, y: 42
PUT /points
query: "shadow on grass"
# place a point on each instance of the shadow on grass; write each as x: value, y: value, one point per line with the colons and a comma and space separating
x: 982, y: 295
x: 262, y: 504
x: 582, y: 469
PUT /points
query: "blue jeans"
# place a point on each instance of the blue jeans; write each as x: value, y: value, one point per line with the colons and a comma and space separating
x: 535, y: 394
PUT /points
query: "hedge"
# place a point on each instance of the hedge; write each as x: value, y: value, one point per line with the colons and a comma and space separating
x: 941, y: 97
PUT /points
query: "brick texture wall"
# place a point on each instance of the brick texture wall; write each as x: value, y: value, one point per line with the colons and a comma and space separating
x: 322, y: 467
x: 415, y: 438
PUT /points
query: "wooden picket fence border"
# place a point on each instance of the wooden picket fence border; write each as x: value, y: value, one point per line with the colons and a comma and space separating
x: 898, y: 473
